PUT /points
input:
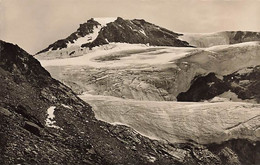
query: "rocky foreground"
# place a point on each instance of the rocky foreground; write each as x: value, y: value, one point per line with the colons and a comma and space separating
x: 44, y: 122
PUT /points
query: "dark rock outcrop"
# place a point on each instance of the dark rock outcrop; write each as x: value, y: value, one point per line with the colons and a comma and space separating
x: 204, y: 88
x: 245, y: 83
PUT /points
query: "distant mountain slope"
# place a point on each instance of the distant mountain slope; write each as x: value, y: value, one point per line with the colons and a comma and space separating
x: 204, y: 40
x: 97, y: 32
x: 244, y: 84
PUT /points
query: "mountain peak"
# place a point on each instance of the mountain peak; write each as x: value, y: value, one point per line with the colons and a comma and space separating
x: 100, y: 31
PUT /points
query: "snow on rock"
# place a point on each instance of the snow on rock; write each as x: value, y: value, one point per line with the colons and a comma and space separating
x: 50, y: 118
x: 92, y: 36
x: 142, y: 31
x: 70, y: 52
x: 86, y: 39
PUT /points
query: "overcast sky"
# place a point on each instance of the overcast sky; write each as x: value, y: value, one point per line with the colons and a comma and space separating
x: 34, y: 24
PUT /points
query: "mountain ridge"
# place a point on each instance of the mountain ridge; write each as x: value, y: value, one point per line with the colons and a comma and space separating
x: 102, y: 31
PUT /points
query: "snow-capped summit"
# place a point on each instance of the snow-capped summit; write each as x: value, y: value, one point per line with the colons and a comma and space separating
x: 100, y: 31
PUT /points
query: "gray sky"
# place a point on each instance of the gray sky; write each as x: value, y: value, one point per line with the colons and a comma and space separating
x: 34, y: 24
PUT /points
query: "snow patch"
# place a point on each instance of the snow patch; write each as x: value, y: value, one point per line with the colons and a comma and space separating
x: 142, y: 31
x: 86, y: 39
x: 211, y: 83
x: 130, y: 27
x: 92, y: 36
x: 66, y: 106
x: 50, y: 118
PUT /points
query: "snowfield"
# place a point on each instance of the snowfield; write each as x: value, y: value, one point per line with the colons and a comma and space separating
x: 146, y: 55
x: 159, y: 55
x: 202, y: 122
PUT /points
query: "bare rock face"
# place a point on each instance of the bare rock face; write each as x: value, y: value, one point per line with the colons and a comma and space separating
x: 204, y: 88
x: 137, y: 32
